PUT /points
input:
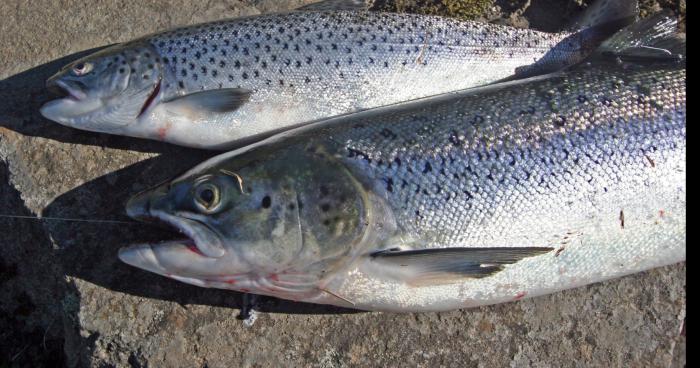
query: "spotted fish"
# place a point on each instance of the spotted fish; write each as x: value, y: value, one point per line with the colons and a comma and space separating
x: 218, y: 84
x: 485, y: 196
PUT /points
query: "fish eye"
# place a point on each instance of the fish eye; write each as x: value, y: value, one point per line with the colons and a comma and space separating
x: 207, y: 197
x: 82, y: 68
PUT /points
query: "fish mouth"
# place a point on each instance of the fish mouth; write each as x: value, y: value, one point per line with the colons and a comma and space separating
x: 64, y: 89
x: 73, y: 102
x: 198, y: 237
x: 177, y: 258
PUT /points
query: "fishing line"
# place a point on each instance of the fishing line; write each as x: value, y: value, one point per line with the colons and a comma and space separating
x: 71, y: 219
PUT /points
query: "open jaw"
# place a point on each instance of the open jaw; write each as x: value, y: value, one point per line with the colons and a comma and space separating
x: 188, y: 259
x: 72, y: 102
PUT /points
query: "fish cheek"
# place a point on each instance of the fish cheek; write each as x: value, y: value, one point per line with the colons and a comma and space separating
x: 269, y: 230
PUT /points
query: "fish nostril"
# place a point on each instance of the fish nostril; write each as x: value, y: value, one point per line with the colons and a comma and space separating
x: 51, y: 83
x: 139, y: 207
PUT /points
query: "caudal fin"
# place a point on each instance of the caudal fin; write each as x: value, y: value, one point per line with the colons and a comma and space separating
x: 651, y: 39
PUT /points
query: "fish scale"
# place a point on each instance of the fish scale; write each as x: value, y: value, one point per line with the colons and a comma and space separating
x: 516, y: 151
x: 218, y: 85
x: 289, y: 51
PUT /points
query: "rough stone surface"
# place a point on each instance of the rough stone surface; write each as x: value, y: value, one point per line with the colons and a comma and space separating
x: 67, y: 300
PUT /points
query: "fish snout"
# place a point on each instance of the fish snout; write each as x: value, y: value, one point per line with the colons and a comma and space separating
x: 139, y: 206
x: 51, y: 84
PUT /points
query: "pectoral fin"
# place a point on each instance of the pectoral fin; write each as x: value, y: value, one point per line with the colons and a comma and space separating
x: 446, y: 265
x: 201, y: 105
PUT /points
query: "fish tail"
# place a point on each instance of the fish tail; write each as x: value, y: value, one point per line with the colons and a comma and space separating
x: 651, y: 39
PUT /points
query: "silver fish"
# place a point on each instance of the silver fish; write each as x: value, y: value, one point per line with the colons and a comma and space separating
x: 497, y: 194
x: 214, y: 85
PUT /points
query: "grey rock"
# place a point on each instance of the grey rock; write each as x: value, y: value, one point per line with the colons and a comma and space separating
x: 67, y: 300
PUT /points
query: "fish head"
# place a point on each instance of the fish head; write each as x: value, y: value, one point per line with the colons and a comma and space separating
x: 107, y: 90
x: 293, y: 213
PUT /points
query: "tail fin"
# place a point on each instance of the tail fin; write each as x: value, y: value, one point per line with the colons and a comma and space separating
x: 607, y: 16
x: 651, y: 39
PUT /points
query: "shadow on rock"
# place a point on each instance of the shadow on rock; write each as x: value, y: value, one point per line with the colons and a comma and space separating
x: 31, y: 287
x: 23, y: 94
x: 89, y: 250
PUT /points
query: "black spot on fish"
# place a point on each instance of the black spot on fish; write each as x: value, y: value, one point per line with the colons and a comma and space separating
x: 427, y: 168
x: 468, y: 194
x: 266, y: 202
x: 560, y: 121
x: 454, y: 139
x: 387, y: 133
x: 389, y: 184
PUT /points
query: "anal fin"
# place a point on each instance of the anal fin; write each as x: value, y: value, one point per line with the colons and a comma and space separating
x: 446, y: 265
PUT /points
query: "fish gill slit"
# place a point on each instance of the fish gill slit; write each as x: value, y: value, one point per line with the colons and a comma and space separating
x: 150, y: 99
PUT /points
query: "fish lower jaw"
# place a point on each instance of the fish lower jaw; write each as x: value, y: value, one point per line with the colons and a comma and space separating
x: 151, y: 256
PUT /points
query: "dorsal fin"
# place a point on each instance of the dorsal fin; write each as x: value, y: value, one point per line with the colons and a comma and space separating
x: 607, y: 15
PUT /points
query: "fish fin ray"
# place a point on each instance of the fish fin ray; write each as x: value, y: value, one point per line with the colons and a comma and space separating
x: 607, y: 16
x: 446, y: 265
x: 653, y: 38
x: 199, y: 104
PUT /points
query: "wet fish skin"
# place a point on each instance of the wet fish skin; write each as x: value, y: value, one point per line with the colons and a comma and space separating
x: 536, y: 185
x: 287, y: 69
